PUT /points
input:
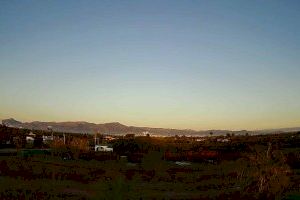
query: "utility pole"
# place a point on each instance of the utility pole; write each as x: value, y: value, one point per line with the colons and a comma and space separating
x: 95, y: 137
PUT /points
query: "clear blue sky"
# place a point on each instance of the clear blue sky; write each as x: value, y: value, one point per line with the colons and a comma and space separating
x: 178, y: 64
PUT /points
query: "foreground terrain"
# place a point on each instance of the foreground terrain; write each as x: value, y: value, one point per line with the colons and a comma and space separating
x: 231, y: 167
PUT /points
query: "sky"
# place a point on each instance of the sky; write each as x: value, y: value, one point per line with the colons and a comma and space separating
x: 174, y: 64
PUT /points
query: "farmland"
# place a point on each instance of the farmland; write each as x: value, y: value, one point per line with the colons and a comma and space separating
x: 223, y: 167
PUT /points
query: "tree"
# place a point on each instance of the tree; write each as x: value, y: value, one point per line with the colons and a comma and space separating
x: 38, y: 141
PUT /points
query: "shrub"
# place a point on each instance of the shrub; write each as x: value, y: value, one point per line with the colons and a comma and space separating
x: 267, y: 174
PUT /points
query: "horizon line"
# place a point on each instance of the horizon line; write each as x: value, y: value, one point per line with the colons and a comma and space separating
x: 236, y: 130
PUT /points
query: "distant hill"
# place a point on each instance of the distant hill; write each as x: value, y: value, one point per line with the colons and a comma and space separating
x: 118, y: 128
x: 278, y: 130
x: 86, y: 127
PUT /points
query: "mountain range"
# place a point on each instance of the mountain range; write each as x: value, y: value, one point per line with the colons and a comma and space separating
x: 116, y: 128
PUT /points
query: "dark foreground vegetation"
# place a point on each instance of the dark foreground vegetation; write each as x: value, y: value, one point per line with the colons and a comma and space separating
x: 231, y: 167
